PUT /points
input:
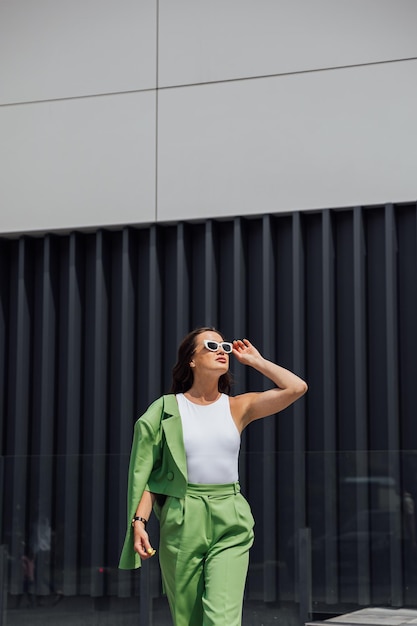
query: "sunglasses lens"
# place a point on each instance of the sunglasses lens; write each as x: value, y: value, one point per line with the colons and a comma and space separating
x: 212, y: 345
x: 227, y: 347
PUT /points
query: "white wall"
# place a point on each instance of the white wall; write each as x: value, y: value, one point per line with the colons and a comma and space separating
x: 131, y: 111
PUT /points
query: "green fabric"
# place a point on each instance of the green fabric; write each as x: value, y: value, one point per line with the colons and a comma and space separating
x: 157, y: 464
x: 204, y: 555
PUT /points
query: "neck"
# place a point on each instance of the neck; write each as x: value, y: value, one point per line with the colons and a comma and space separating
x: 204, y: 393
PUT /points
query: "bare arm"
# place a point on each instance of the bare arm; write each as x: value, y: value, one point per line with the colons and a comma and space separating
x: 141, y: 541
x: 253, y: 406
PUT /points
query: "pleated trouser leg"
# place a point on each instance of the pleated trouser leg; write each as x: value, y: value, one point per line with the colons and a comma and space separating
x: 204, y: 554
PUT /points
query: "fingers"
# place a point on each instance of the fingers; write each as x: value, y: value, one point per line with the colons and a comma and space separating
x: 145, y: 553
x: 241, y: 344
x: 143, y: 547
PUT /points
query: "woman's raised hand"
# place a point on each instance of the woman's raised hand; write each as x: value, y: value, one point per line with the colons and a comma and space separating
x: 245, y: 352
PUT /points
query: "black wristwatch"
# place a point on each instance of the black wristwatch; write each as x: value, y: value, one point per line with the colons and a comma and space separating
x: 139, y: 519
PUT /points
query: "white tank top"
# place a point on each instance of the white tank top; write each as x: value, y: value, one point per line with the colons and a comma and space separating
x: 212, y: 441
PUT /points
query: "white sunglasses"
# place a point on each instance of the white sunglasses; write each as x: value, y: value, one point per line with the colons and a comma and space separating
x: 213, y: 346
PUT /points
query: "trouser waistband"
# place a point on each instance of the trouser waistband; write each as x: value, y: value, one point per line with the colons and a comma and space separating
x: 228, y: 489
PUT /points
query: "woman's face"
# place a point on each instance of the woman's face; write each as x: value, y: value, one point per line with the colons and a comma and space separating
x: 205, y: 360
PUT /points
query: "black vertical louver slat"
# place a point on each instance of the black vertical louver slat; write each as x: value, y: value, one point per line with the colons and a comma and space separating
x: 251, y: 237
x: 299, y: 458
x: 17, y: 479
x: 393, y: 413
x: 44, y: 417
x: 407, y: 342
x: 154, y: 355
x: 70, y: 415
x: 267, y: 320
x: 209, y: 276
x: 96, y: 412
x: 231, y: 251
x: 381, y: 483
x: 240, y: 268
x: 122, y: 402
x: 182, y: 285
x: 4, y: 338
x: 284, y: 443
x: 329, y: 410
x: 361, y: 469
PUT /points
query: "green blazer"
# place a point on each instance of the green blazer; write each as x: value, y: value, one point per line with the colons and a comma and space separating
x: 157, y: 464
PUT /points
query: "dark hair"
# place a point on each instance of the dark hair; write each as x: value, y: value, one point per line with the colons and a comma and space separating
x: 182, y: 375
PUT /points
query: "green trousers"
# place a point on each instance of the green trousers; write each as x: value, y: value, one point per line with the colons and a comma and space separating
x: 204, y: 554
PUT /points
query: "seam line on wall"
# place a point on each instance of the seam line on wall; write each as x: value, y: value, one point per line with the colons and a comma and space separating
x: 213, y: 82
x: 293, y: 73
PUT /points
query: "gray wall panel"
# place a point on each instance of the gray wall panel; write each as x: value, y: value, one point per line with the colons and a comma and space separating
x: 51, y: 50
x: 202, y: 42
x: 78, y: 163
x: 323, y: 139
x: 80, y: 152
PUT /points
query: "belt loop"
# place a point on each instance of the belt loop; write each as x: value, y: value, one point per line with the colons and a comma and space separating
x: 236, y: 488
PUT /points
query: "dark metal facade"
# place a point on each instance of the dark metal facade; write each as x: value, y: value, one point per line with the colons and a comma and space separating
x: 89, y: 325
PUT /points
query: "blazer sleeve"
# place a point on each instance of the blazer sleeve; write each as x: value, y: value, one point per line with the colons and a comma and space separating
x: 145, y: 455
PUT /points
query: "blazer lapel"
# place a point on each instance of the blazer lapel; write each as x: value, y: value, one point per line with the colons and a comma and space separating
x: 172, y: 426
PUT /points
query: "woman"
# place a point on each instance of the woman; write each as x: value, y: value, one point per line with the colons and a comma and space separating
x: 184, y: 464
